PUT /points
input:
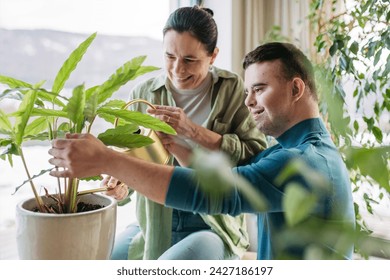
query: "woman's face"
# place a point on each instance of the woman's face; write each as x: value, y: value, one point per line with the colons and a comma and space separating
x: 186, y: 59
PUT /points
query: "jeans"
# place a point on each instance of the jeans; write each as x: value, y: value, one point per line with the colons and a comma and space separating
x: 192, y: 239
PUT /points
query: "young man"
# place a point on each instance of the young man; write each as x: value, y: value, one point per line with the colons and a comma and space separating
x: 282, y: 99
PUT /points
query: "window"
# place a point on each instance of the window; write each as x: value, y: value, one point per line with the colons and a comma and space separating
x: 35, y: 39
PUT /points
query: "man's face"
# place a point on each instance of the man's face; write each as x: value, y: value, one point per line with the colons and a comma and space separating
x: 269, y: 97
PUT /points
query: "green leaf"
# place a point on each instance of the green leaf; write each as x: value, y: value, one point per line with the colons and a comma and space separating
x: 354, y: 48
x: 33, y: 177
x: 70, y: 64
x: 344, y: 62
x: 36, y: 126
x: 26, y: 107
x: 128, y: 71
x: 49, y: 113
x: 377, y: 57
x: 51, y: 97
x: 298, y: 167
x: 123, y: 137
x: 11, y: 94
x: 298, y: 203
x: 378, y: 134
x: 5, y: 142
x: 370, y: 122
x: 373, y: 162
x: 89, y: 92
x: 333, y: 49
x: 91, y: 106
x: 116, y: 103
x: 5, y: 124
x: 44, y: 136
x: 371, y: 49
x: 75, y: 107
x: 14, y: 83
x: 145, y: 69
x: 356, y: 125
x: 140, y: 119
x: 93, y: 178
x: 215, y: 176
x: 109, y: 118
x: 11, y: 149
x: 125, y: 129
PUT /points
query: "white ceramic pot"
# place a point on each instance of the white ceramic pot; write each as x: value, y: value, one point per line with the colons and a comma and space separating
x: 79, y: 236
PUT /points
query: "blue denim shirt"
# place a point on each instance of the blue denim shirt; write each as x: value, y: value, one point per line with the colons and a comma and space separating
x: 308, y: 141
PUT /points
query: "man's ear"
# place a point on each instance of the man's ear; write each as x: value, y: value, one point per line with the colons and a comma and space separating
x: 298, y: 88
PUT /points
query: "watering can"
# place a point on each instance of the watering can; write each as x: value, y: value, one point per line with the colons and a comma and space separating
x: 154, y: 152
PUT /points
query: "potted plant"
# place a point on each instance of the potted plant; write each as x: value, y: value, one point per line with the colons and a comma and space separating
x: 70, y: 224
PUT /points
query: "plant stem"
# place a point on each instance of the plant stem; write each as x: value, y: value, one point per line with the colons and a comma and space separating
x: 38, y: 199
x: 71, y: 195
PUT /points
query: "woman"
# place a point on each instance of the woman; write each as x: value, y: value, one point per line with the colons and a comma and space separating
x: 205, y: 105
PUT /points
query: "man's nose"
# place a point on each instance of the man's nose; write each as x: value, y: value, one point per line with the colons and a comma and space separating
x: 250, y: 100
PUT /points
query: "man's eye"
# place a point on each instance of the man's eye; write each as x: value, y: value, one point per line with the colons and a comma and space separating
x: 257, y: 89
x: 171, y: 57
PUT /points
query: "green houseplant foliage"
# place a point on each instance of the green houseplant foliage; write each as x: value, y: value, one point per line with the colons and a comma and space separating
x: 354, y: 48
x: 47, y: 114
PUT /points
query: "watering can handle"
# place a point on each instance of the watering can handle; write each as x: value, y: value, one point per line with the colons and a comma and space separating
x: 133, y: 102
x: 116, y: 123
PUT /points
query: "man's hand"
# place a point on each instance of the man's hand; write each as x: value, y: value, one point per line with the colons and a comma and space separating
x: 83, y: 155
x: 80, y: 156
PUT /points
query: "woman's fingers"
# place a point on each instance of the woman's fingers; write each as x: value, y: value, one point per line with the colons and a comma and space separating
x: 119, y: 192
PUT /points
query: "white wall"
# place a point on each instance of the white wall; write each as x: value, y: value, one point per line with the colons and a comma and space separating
x: 223, y: 17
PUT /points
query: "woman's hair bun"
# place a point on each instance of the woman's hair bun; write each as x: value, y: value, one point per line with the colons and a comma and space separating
x: 208, y: 10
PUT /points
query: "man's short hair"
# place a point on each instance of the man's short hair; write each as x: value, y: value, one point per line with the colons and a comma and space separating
x: 294, y: 62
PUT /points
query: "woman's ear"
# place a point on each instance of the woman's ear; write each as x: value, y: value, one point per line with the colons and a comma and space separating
x: 214, y: 55
x: 298, y: 88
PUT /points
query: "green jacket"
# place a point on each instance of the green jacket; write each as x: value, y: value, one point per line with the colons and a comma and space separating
x: 241, y: 140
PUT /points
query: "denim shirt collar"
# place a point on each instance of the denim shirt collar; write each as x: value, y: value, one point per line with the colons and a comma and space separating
x: 300, y: 131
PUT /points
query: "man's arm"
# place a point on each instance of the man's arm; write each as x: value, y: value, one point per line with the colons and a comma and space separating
x: 83, y: 155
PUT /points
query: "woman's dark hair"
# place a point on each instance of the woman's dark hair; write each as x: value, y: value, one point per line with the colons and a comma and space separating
x: 198, y: 22
x: 294, y: 62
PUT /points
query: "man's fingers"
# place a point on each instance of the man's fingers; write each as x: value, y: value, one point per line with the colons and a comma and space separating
x: 60, y: 173
x: 74, y: 135
x: 54, y: 152
x: 59, y: 143
x: 57, y: 162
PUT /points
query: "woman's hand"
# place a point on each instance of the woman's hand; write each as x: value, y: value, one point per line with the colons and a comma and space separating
x: 115, y: 188
x: 185, y: 128
x: 176, y: 147
x: 175, y: 117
